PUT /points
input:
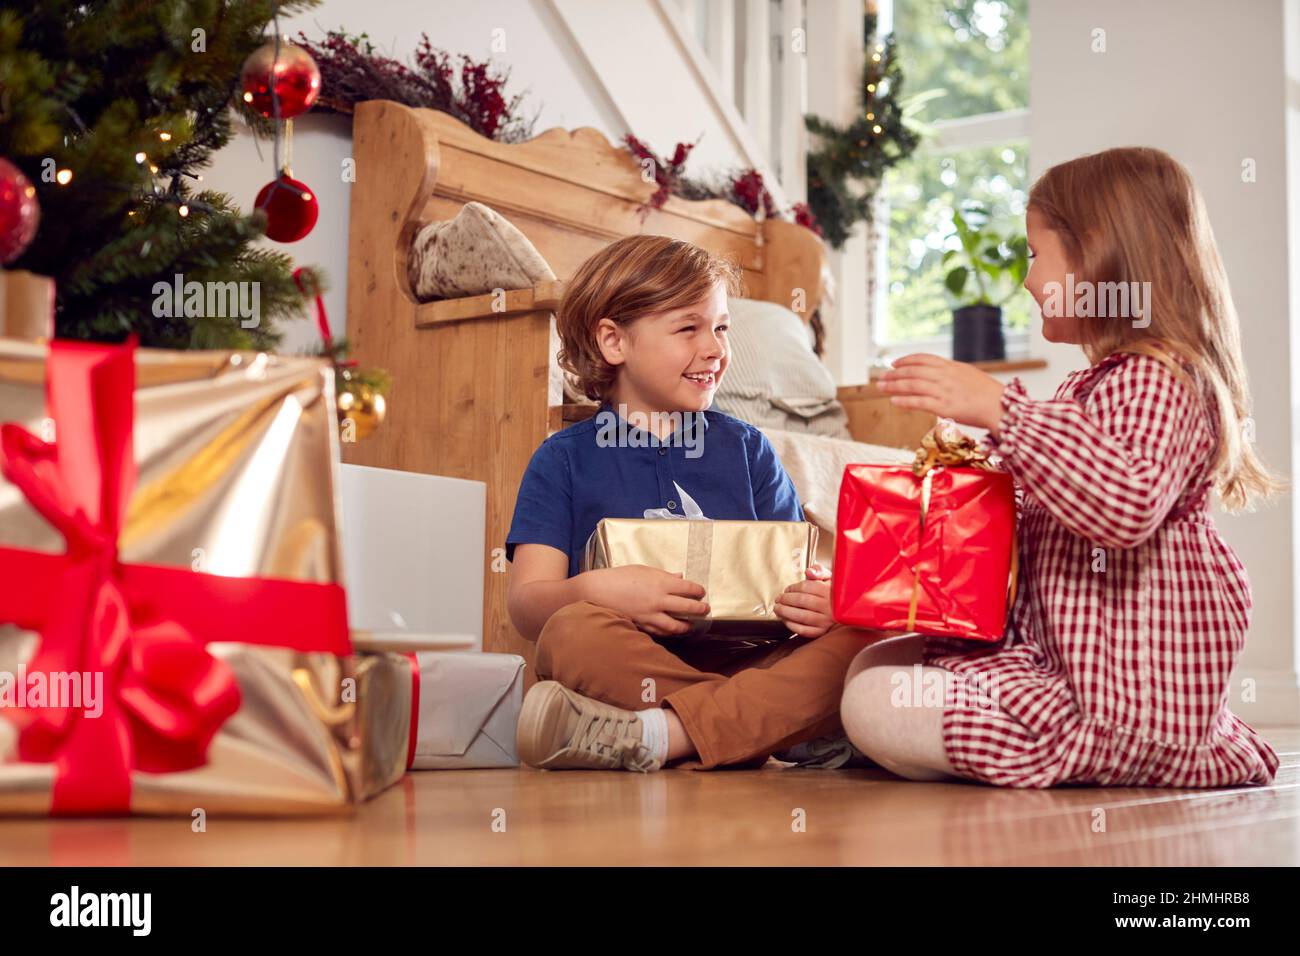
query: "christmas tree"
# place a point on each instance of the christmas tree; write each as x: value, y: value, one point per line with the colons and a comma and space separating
x: 110, y: 109
x: 845, y: 170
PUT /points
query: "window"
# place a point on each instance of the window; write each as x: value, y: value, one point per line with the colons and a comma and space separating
x: 976, y: 149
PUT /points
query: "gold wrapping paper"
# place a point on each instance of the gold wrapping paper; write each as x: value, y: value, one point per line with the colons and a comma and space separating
x: 235, y: 455
x: 744, y: 566
x: 26, y: 304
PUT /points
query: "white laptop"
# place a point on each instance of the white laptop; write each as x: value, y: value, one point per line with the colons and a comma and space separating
x: 413, y: 559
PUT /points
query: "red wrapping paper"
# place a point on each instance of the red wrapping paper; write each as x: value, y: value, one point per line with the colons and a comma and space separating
x: 963, y: 560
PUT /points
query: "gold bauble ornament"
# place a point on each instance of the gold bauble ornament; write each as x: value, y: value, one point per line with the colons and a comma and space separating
x: 362, y: 407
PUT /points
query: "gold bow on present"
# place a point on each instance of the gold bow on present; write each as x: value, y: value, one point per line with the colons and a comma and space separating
x: 944, y: 446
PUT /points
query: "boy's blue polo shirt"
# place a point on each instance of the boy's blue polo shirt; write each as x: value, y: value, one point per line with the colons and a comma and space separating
x: 605, y: 467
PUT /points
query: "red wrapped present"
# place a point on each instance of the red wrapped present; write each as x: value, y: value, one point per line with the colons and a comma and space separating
x: 929, y: 548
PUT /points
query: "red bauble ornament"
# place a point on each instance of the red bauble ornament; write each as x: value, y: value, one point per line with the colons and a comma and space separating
x: 20, y: 213
x: 296, y: 79
x: 291, y: 209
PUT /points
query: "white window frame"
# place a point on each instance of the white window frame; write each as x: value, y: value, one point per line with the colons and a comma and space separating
x: 948, y: 136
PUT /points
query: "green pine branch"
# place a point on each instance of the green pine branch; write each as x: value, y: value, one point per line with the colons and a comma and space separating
x: 90, y: 86
x: 845, y: 169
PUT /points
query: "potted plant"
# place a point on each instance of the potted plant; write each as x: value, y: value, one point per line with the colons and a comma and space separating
x: 987, y: 270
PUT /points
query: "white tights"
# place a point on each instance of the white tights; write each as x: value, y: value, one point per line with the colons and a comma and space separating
x: 905, y: 740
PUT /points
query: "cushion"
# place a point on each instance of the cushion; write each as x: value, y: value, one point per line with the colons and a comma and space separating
x: 473, y: 254
x: 775, y: 379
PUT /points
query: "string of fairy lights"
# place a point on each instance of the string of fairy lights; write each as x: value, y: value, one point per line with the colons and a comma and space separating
x: 267, y: 79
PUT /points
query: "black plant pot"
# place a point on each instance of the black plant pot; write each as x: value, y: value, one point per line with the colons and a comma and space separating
x: 977, y: 334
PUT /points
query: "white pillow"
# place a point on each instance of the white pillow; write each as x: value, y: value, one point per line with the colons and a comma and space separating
x: 775, y: 379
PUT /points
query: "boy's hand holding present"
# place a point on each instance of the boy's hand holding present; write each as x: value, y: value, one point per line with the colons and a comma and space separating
x: 806, y: 607
x: 649, y: 596
x: 722, y: 556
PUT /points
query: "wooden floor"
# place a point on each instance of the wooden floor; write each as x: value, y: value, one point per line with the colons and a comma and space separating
x: 680, y: 817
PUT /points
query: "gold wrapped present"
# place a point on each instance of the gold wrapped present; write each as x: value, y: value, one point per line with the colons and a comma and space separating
x: 173, y: 630
x: 744, y: 566
x: 26, y: 304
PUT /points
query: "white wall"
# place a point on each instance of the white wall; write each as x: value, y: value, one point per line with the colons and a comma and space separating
x: 1207, y: 82
x: 835, y: 54
x: 662, y: 85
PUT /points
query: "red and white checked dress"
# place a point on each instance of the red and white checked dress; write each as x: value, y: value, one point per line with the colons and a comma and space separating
x: 1117, y: 673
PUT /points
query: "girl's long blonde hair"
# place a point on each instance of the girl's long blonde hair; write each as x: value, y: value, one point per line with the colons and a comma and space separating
x: 1134, y: 215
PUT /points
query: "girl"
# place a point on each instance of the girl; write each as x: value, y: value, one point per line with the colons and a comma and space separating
x: 1133, y: 610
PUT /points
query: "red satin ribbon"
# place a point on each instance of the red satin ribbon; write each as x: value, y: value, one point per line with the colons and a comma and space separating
x: 415, y: 710
x: 322, y: 322
x: 143, y: 627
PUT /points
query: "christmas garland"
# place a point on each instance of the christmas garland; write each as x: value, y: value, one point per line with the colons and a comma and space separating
x: 744, y: 188
x: 352, y: 72
x: 845, y: 171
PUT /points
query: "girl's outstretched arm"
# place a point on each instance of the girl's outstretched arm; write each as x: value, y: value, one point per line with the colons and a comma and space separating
x: 1109, y: 471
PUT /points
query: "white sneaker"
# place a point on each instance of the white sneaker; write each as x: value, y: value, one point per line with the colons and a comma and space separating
x: 560, y: 729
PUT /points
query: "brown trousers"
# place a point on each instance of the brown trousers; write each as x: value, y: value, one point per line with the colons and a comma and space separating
x: 739, y: 705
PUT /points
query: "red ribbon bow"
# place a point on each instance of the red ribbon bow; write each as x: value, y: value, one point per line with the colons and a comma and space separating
x: 143, y: 627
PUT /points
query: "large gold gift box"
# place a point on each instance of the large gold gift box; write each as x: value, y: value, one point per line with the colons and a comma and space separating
x: 235, y: 457
x: 744, y: 566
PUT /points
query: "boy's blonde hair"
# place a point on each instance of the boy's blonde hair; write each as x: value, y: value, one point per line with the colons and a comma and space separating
x: 1134, y: 215
x: 628, y: 279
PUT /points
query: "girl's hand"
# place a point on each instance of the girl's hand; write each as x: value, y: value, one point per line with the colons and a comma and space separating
x: 806, y: 607
x: 956, y: 390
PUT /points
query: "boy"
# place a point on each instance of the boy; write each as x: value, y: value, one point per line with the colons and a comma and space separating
x: 643, y: 327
